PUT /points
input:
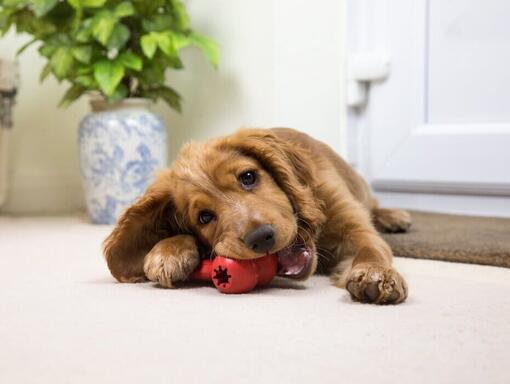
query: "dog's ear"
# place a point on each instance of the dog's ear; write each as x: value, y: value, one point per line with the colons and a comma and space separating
x: 292, y: 169
x: 150, y: 219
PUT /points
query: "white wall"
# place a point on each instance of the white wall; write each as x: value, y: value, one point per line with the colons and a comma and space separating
x: 282, y: 64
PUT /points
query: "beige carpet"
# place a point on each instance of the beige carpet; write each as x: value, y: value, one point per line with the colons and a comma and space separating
x: 466, y: 239
x: 63, y: 319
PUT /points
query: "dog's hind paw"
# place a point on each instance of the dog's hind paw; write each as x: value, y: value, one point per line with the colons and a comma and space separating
x: 391, y: 220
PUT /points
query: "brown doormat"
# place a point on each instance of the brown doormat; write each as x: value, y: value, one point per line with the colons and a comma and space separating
x: 465, y: 239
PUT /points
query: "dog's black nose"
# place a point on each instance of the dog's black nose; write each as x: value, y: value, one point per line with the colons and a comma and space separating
x: 261, y: 239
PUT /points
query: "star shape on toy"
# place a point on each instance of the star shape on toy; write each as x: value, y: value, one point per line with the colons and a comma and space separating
x: 221, y: 276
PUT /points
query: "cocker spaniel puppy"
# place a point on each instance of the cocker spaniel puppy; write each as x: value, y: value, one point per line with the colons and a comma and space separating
x: 254, y: 192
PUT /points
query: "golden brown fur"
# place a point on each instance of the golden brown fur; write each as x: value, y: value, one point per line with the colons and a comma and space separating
x: 304, y: 190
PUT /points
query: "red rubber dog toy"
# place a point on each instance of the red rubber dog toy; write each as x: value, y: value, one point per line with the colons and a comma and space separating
x: 237, y: 276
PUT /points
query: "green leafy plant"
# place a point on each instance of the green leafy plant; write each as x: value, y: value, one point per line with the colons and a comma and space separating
x: 118, y: 48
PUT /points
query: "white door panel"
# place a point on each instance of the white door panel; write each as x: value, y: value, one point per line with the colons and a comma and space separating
x: 468, y: 61
x: 441, y: 121
x: 415, y: 165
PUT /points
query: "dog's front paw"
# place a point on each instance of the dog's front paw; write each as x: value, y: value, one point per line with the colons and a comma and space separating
x: 373, y: 283
x: 171, y: 260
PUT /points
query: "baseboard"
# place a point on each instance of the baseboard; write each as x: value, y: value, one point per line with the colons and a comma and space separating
x: 452, y: 188
x: 498, y: 206
x: 39, y: 192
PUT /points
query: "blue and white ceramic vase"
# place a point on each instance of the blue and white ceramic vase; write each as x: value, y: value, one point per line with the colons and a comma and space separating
x: 121, y: 147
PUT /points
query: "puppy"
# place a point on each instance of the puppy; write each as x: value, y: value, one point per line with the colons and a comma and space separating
x: 254, y: 192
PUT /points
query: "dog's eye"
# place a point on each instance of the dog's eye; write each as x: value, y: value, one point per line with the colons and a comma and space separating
x: 248, y: 179
x: 205, y: 217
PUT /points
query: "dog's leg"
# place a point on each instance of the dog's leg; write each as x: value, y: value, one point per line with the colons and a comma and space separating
x: 366, y: 270
x: 172, y: 260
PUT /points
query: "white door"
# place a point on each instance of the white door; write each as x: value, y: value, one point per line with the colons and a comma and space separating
x: 440, y: 122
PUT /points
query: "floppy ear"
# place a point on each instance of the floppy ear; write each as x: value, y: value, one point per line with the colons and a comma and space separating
x: 291, y: 167
x: 147, y: 221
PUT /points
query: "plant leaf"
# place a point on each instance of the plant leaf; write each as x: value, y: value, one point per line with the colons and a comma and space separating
x: 87, y: 81
x: 26, y: 21
x: 130, y: 60
x: 92, y: 3
x: 42, y: 7
x: 62, y: 62
x: 158, y: 23
x: 108, y: 75
x: 124, y: 9
x: 47, y: 50
x: 181, y: 15
x: 14, y: 3
x: 169, y: 95
x: 76, y: 21
x: 163, y: 40
x: 59, y: 39
x: 149, y: 45
x: 82, y: 54
x: 85, y: 31
x: 165, y: 43
x: 119, y: 37
x: 5, y: 23
x: 25, y: 46
x: 153, y: 72
x: 45, y: 72
x: 71, y: 95
x: 103, y: 25
x: 76, y: 4
x: 208, y: 47
x: 86, y: 3
x: 84, y: 70
x: 181, y: 41
x: 120, y: 93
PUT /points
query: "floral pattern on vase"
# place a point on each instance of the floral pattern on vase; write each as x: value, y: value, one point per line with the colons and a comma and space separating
x: 120, y: 151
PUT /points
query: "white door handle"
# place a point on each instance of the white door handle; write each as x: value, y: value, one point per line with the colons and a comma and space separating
x: 362, y: 69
